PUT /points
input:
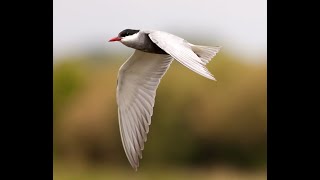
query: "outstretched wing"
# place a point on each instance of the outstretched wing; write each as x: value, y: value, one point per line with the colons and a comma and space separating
x: 181, y: 51
x: 138, y: 80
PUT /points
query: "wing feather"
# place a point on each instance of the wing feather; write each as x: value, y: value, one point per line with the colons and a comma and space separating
x: 181, y: 50
x: 138, y: 81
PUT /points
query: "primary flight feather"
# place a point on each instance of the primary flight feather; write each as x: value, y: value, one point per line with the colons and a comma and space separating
x: 140, y: 75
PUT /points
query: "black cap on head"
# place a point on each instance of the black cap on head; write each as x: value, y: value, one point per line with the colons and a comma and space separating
x: 127, y: 32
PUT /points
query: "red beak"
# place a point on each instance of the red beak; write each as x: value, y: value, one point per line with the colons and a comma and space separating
x: 115, y: 39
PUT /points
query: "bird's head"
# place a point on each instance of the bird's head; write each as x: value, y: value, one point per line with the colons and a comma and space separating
x: 127, y: 35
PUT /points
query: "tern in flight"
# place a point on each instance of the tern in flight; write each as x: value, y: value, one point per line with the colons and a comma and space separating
x: 140, y: 75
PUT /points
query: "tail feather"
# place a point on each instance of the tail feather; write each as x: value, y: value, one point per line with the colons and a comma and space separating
x: 205, y: 53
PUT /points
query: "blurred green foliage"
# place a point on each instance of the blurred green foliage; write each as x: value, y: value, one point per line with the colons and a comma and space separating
x: 196, y: 122
x: 68, y: 78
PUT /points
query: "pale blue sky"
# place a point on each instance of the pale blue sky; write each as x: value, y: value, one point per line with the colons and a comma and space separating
x: 240, y: 26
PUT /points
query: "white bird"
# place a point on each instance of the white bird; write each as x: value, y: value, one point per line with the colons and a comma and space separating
x: 140, y: 75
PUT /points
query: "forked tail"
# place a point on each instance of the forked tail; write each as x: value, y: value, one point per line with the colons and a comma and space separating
x: 205, y: 53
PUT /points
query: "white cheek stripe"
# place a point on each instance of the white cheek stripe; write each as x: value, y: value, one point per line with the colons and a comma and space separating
x: 133, y: 37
